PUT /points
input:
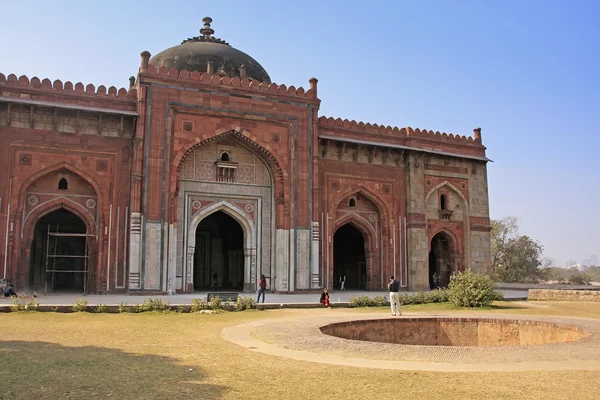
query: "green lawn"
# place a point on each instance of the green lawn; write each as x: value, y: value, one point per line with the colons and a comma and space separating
x: 182, y: 356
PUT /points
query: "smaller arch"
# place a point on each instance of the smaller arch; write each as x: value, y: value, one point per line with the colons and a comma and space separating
x: 360, y: 189
x: 63, y: 184
x: 225, y: 156
x: 443, y: 202
x: 34, y: 177
x: 451, y: 187
x: 352, y: 202
x: 446, y: 232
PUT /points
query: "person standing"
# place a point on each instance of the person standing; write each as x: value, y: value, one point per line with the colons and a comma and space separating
x: 262, y: 287
x: 394, y: 287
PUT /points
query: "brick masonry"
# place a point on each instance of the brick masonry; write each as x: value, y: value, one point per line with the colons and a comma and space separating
x: 131, y: 150
x: 563, y: 295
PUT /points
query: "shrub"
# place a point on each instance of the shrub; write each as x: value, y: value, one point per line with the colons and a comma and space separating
x: 80, y: 305
x: 468, y: 289
x: 215, y: 303
x: 198, y: 305
x: 182, y: 308
x: 580, y: 278
x: 123, y: 307
x: 244, y: 303
x: 21, y: 304
x: 153, y: 304
x: 100, y: 308
x: 360, y: 301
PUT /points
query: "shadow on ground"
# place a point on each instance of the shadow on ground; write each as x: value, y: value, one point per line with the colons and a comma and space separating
x: 41, y: 370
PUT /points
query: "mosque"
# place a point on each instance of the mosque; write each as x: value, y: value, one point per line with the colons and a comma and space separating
x: 204, y: 175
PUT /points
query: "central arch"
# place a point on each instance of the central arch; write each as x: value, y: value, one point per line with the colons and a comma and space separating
x: 242, y: 253
x: 349, y: 258
x: 219, y: 254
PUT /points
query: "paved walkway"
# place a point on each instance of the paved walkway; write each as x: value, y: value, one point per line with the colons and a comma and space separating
x: 116, y: 299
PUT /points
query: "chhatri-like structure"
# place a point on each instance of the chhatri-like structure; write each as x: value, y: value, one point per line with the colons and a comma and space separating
x: 206, y: 174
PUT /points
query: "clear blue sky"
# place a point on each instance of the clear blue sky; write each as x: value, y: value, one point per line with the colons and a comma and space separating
x: 527, y: 72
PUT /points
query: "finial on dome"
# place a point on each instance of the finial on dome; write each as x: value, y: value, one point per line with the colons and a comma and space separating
x: 207, y: 31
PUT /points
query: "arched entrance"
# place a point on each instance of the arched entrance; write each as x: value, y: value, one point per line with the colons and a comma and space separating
x: 441, y: 259
x: 349, y: 258
x: 58, y: 258
x: 219, y: 253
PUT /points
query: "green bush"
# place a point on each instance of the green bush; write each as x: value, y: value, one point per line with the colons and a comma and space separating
x: 154, y: 304
x: 123, y: 307
x: 100, y: 308
x: 244, y: 303
x: 580, y: 278
x: 215, y: 303
x: 20, y: 303
x: 435, y: 296
x: 468, y: 289
x: 198, y: 305
x: 80, y: 305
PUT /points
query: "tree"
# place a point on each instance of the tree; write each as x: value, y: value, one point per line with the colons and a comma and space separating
x: 515, y: 258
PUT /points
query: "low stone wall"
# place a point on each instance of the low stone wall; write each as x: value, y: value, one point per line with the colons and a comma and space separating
x: 564, y: 295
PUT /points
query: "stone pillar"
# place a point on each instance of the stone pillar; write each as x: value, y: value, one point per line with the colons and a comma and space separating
x: 249, y: 267
x: 314, y: 272
x: 189, y: 270
x: 418, y: 259
x: 135, y: 260
x: 152, y: 261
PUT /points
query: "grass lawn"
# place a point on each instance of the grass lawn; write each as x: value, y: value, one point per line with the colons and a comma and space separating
x: 182, y: 356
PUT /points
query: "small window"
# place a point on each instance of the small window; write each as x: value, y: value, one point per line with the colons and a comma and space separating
x: 63, y: 184
x: 225, y: 156
x: 352, y: 203
x: 443, y: 202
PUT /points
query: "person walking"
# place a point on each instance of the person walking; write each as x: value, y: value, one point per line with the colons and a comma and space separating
x: 342, y: 282
x: 394, y: 287
x: 262, y: 287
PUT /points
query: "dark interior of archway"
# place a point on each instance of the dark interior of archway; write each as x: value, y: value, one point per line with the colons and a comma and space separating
x: 349, y: 258
x: 219, y: 255
x: 440, y: 261
x: 62, y: 254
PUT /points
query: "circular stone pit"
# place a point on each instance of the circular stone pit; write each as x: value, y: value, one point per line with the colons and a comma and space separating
x: 455, y: 331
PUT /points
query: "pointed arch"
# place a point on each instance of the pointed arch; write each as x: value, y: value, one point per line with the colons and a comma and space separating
x: 447, y: 232
x: 451, y: 187
x: 34, y: 215
x: 249, y: 239
x: 360, y: 189
x: 56, y: 167
x: 266, y: 153
x: 234, y: 212
x: 359, y: 223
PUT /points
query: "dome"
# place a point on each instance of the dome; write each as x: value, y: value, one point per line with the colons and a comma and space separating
x: 207, y: 53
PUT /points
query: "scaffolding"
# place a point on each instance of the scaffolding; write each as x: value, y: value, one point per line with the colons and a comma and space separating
x: 51, y: 249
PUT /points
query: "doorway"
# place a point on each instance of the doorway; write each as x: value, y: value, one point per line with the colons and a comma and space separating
x: 219, y: 254
x: 59, y: 253
x: 349, y: 258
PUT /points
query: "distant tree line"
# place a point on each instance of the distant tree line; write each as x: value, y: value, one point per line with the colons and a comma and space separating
x: 518, y: 258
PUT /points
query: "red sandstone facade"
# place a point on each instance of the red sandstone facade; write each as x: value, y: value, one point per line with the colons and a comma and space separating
x: 145, y: 166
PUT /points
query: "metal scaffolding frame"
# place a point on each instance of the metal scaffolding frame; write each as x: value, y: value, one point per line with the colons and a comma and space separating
x: 52, y: 268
